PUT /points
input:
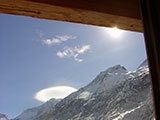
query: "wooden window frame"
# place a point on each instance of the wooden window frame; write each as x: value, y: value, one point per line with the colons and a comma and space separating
x: 151, y: 22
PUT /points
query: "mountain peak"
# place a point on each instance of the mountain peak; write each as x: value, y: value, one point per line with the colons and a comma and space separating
x: 4, y: 117
x: 31, y: 113
x: 110, y: 96
x: 108, y: 79
x: 144, y: 63
x: 117, y: 69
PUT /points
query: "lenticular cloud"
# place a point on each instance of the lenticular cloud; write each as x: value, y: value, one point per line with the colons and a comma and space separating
x: 57, y: 92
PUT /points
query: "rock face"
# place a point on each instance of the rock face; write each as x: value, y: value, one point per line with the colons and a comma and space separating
x: 31, y: 114
x: 145, y: 63
x: 4, y: 117
x: 115, y: 94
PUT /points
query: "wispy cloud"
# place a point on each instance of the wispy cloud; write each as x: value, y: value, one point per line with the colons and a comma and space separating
x: 58, y: 39
x: 69, y: 52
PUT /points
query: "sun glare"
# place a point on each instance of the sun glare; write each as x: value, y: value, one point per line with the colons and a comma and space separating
x: 57, y: 92
x: 115, y: 32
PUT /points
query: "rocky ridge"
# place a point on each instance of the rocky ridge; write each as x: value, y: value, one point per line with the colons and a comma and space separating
x: 115, y: 94
x: 4, y: 117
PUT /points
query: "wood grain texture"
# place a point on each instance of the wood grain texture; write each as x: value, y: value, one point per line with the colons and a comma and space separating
x: 151, y: 20
x: 124, y: 15
x: 127, y: 8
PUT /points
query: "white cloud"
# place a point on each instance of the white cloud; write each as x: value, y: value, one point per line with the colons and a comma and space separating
x: 73, y: 52
x: 57, y: 92
x: 58, y: 40
x: 78, y: 60
x: 83, y: 49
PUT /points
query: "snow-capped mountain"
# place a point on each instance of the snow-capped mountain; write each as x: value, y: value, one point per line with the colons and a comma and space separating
x: 4, y: 117
x: 144, y: 64
x: 115, y: 94
x: 31, y: 114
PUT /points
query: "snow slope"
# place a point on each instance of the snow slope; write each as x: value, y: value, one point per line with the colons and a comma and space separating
x: 31, y: 114
x: 4, y: 117
x: 115, y: 94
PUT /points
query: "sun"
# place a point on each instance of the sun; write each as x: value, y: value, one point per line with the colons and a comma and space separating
x: 115, y: 32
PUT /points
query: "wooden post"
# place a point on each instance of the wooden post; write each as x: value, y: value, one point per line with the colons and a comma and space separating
x: 150, y: 11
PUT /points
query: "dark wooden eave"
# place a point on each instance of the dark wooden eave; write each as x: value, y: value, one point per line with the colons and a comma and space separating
x: 124, y: 14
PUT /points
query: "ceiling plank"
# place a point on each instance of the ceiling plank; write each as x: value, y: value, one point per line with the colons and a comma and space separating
x: 108, y: 13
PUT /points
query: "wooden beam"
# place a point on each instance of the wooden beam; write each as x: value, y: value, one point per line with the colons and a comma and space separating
x: 108, y: 13
x: 151, y: 21
x: 127, y: 8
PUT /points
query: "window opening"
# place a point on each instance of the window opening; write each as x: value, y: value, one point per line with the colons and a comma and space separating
x: 59, y: 70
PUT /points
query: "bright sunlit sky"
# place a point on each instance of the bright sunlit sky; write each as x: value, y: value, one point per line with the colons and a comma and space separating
x: 37, y: 55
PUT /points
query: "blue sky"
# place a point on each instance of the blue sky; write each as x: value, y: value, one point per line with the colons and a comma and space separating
x: 36, y: 54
